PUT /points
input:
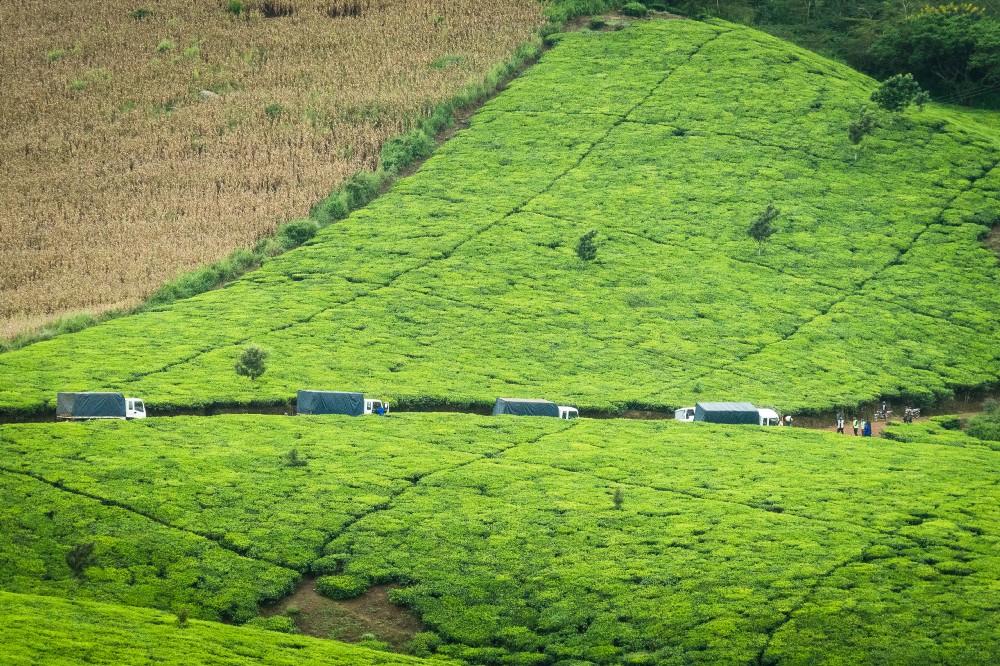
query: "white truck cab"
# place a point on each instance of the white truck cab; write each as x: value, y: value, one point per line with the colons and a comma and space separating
x: 372, y: 406
x: 768, y: 417
x: 568, y: 412
x: 134, y: 409
x: 684, y: 414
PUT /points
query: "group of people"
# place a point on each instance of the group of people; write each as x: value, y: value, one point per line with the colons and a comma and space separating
x: 865, y: 426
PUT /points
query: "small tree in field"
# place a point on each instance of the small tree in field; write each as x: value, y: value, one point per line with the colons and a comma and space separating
x: 586, y: 248
x: 862, y: 126
x: 898, y: 92
x: 251, y: 361
x: 763, y: 228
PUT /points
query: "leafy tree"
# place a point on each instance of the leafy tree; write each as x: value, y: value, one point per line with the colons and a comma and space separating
x: 79, y: 558
x: 763, y: 228
x: 952, y: 49
x: 251, y: 361
x: 618, y: 499
x: 586, y: 248
x: 861, y: 127
x: 898, y: 92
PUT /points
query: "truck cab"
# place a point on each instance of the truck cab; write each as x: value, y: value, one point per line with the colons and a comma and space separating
x: 768, y: 417
x: 372, y: 406
x: 684, y: 414
x: 568, y: 412
x: 134, y: 409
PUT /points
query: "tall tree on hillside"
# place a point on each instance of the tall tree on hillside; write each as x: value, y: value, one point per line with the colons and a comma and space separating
x: 763, y: 227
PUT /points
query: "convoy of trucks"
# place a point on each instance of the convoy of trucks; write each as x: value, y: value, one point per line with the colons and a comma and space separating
x: 86, y: 405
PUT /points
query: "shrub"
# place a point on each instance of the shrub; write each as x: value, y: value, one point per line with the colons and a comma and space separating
x: 341, y: 587
x: 164, y: 46
x: 292, y: 459
x: 423, y: 644
x: 586, y: 248
x: 141, y: 13
x: 636, y: 9
x: 251, y: 361
x: 296, y: 233
x: 898, y: 92
x: 79, y: 558
x: 986, y: 426
x: 279, y: 623
x: 948, y: 422
x: 274, y: 111
x: 235, y: 7
x: 182, y: 617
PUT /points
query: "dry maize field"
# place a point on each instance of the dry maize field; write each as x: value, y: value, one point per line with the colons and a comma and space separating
x: 142, y: 141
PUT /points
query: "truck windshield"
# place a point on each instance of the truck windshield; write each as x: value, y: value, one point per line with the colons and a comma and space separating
x: 138, y: 406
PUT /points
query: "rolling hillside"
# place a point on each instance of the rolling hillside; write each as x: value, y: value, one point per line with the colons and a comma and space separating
x: 725, y: 545
x: 667, y: 138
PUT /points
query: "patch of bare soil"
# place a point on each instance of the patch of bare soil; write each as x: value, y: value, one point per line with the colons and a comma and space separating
x: 992, y: 240
x: 348, y: 621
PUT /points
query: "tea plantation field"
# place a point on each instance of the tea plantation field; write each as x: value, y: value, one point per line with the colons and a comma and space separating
x: 668, y: 138
x: 519, y: 541
x: 45, y: 630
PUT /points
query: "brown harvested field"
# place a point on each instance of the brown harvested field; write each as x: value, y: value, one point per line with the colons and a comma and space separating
x: 116, y: 173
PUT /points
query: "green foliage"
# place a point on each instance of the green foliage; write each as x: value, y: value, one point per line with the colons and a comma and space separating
x: 861, y: 126
x: 428, y: 294
x: 79, y: 557
x: 952, y: 49
x: 636, y: 9
x: 274, y: 111
x: 762, y: 228
x: 586, y: 248
x: 183, y: 619
x: 133, y: 559
x: 986, y: 426
x: 141, y: 13
x: 296, y: 233
x: 898, y: 92
x: 279, y: 623
x: 252, y: 361
x: 513, y: 555
x: 292, y: 459
x: 235, y: 7
x: 165, y: 46
x: 107, y: 634
x: 618, y: 498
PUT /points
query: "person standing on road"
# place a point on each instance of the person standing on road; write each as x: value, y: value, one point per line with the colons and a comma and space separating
x: 840, y: 423
x: 855, y: 426
x: 867, y: 430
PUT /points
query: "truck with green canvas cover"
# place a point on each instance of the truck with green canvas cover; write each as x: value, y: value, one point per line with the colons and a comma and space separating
x: 86, y: 405
x: 338, y: 402
x: 530, y: 407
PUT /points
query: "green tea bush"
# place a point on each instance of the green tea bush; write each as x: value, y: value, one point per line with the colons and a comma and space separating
x: 341, y: 587
x: 636, y: 9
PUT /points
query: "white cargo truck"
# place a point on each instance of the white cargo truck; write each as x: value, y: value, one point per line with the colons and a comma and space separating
x: 727, y: 412
x: 86, y: 405
x: 531, y: 407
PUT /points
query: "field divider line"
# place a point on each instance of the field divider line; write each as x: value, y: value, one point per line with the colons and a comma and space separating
x: 388, y: 504
x: 112, y: 503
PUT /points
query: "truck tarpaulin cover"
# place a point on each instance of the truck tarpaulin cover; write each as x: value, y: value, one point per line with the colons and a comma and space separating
x: 523, y: 407
x: 90, y: 404
x: 330, y: 402
x: 726, y: 412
